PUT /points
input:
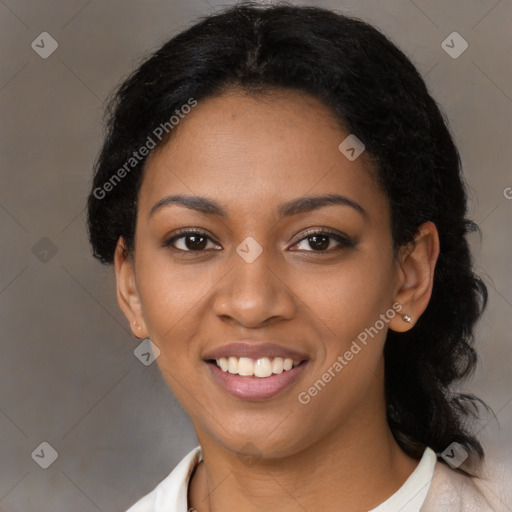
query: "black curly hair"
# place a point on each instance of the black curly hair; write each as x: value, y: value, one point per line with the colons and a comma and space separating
x: 374, y: 90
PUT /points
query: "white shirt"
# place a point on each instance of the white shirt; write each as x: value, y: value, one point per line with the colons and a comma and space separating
x: 431, y: 487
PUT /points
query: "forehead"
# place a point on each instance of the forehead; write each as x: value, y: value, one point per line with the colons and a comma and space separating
x: 256, y: 149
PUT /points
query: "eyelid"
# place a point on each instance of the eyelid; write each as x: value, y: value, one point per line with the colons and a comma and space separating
x: 181, y: 233
x: 343, y: 240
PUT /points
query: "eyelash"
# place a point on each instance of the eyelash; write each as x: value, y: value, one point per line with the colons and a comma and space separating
x: 344, y: 241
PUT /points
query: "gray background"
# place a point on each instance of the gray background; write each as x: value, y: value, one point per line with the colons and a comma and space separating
x: 68, y: 375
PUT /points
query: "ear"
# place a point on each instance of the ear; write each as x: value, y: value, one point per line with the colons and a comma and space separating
x: 127, y: 293
x: 416, y: 262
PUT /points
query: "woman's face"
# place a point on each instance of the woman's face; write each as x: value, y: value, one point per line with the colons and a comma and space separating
x: 256, y: 283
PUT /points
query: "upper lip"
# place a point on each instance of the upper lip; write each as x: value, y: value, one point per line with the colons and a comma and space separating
x: 255, y: 350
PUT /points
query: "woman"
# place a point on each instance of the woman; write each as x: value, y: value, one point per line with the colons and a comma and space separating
x: 284, y: 208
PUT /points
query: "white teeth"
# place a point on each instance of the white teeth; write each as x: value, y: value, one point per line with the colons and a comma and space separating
x: 223, y: 363
x: 232, y: 365
x: 277, y: 365
x: 263, y: 367
x: 245, y: 366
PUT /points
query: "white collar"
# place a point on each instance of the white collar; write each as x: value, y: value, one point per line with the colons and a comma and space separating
x: 171, y: 493
x: 411, y: 496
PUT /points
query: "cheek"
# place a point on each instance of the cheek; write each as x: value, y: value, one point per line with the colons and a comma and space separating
x: 172, y: 300
x: 169, y: 293
x: 356, y: 308
x: 349, y: 297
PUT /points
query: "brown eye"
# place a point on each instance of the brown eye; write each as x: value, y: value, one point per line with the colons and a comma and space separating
x: 320, y: 241
x: 189, y: 241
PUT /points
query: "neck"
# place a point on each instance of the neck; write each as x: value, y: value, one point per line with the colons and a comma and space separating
x: 352, y: 467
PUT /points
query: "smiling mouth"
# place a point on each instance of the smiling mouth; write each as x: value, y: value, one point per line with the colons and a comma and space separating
x: 255, y: 368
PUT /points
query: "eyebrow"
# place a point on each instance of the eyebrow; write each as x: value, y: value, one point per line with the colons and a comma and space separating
x: 293, y: 207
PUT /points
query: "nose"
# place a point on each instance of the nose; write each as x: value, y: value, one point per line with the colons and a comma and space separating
x: 254, y: 293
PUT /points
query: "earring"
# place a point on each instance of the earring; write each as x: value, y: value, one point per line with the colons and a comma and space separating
x: 407, y: 318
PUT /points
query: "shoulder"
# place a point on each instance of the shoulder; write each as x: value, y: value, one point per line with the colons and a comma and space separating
x: 454, y: 491
x: 171, y: 492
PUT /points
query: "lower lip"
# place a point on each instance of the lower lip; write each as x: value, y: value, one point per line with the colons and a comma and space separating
x: 255, y: 388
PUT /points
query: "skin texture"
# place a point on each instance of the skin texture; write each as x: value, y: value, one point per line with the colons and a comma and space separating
x: 251, y: 154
